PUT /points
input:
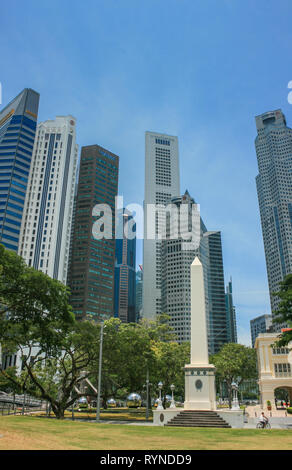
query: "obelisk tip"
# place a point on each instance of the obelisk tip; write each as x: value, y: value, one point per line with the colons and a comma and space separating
x: 196, y: 262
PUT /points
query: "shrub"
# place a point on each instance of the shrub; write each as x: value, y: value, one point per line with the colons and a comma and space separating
x: 289, y: 410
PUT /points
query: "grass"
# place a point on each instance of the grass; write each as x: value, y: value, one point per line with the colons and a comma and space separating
x: 119, y: 414
x: 31, y: 433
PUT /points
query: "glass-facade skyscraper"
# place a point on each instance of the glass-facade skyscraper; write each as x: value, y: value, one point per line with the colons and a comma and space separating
x: 18, y: 122
x: 274, y: 187
x: 258, y: 325
x: 231, y: 314
x: 125, y: 272
x: 217, y: 314
x: 139, y: 293
x: 91, y: 272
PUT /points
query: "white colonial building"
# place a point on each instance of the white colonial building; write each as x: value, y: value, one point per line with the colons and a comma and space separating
x: 274, y: 368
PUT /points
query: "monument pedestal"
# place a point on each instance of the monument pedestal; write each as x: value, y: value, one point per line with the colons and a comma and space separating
x: 200, y: 393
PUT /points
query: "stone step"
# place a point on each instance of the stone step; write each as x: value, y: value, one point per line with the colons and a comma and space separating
x: 198, y: 418
x: 198, y: 425
x: 196, y: 422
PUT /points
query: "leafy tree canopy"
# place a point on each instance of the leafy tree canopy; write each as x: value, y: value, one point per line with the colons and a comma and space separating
x: 284, y: 312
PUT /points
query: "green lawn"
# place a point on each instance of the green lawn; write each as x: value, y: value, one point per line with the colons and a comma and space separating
x: 119, y: 414
x: 25, y: 432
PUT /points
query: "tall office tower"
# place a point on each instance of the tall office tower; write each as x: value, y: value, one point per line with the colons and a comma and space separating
x: 125, y: 268
x: 261, y: 324
x: 231, y: 314
x: 47, y: 215
x: 91, y: 277
x: 139, y: 293
x: 161, y: 184
x: 176, y: 271
x: 218, y: 325
x: 17, y: 133
x: 274, y: 186
x: 176, y: 261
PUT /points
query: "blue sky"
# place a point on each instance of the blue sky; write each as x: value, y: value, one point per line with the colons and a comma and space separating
x: 198, y: 69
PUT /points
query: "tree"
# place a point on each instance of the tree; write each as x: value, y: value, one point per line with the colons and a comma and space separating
x: 234, y: 362
x: 6, y: 384
x: 56, y: 377
x: 284, y: 312
x: 37, y: 321
x: 127, y: 353
x: 170, y: 359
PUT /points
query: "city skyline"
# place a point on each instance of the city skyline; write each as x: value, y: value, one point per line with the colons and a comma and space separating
x: 209, y: 100
x: 125, y: 195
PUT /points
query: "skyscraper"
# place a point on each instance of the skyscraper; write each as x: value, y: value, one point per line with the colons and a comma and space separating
x: 176, y: 271
x: 261, y: 324
x: 139, y: 293
x: 47, y: 215
x: 217, y: 314
x: 274, y: 186
x: 231, y: 314
x: 125, y: 270
x: 17, y: 133
x: 91, y: 276
x: 176, y: 260
x: 161, y: 184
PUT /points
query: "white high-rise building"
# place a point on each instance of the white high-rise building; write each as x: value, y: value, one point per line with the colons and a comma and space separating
x: 47, y: 217
x: 162, y: 182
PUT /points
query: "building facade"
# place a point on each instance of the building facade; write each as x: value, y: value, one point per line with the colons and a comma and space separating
x: 125, y: 269
x: 177, y: 255
x: 218, y: 325
x: 47, y: 217
x: 139, y: 293
x: 274, y: 368
x: 274, y: 186
x: 18, y: 121
x: 231, y: 314
x: 161, y: 184
x: 261, y: 324
x: 91, y: 274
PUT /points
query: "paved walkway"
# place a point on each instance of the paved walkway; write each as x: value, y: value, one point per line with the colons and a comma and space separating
x: 255, y: 411
x: 279, y: 419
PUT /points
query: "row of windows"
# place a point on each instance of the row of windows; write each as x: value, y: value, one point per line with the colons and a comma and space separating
x: 162, y: 142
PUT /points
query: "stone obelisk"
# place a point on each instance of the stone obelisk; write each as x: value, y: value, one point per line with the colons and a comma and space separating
x: 200, y: 391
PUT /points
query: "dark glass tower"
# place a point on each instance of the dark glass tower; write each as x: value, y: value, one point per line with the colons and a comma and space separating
x: 125, y: 274
x: 17, y: 134
x: 91, y: 273
x: 217, y: 318
x: 231, y: 314
x: 139, y: 293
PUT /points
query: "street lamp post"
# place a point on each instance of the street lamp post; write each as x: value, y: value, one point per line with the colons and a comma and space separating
x: 172, y: 405
x: 147, y: 394
x: 99, y: 375
x: 159, y: 406
x: 235, y: 404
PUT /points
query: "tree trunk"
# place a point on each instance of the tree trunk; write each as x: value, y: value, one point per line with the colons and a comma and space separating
x: 58, y: 411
